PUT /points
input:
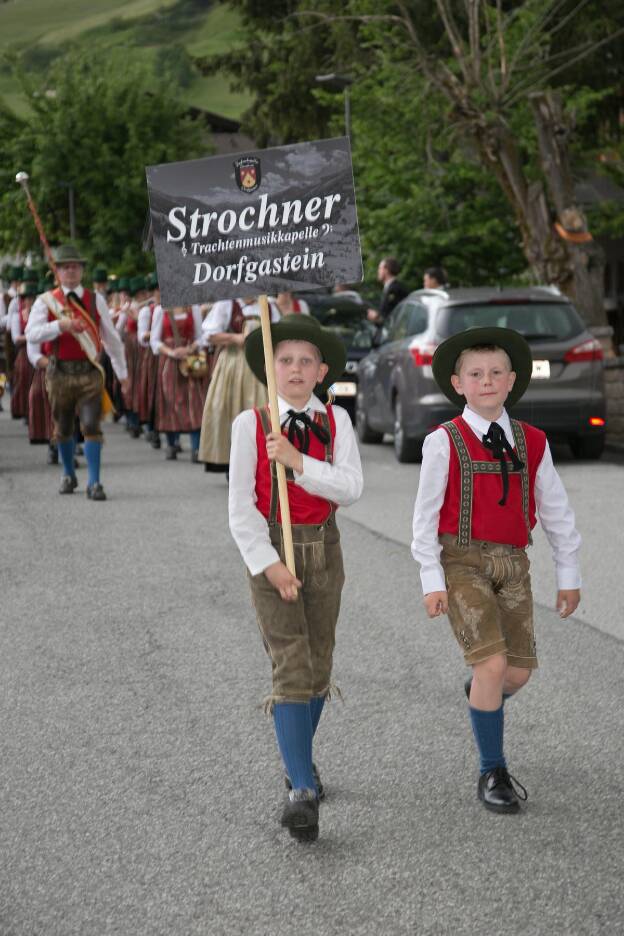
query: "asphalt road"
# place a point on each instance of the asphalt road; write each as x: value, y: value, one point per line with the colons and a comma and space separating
x: 140, y: 785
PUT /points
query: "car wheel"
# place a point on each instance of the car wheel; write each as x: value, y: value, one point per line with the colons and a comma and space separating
x: 590, y: 447
x: 365, y: 434
x: 406, y: 450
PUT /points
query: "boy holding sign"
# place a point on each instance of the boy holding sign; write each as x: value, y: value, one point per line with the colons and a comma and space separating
x: 297, y: 614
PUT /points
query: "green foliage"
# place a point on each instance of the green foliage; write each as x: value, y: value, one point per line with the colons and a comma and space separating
x: 423, y: 192
x: 95, y: 125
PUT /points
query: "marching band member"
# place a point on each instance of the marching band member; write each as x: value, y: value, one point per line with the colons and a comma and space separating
x: 174, y: 335
x: 77, y: 323
x: 233, y: 387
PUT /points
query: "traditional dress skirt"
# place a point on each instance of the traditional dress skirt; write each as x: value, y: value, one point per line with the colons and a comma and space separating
x: 20, y: 383
x: 145, y: 385
x: 131, y: 345
x: 233, y: 388
x: 179, y: 400
x: 40, y: 423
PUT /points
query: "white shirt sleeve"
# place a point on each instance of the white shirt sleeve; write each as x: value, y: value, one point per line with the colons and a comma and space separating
x: 156, y: 332
x: 247, y: 525
x: 16, y: 326
x: 34, y: 352
x: 113, y: 344
x: 143, y: 326
x: 217, y: 321
x: 557, y: 520
x: 197, y: 323
x: 341, y: 481
x: 434, y: 473
x: 38, y: 328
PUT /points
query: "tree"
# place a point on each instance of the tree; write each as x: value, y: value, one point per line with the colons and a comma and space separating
x: 493, y: 70
x: 95, y: 125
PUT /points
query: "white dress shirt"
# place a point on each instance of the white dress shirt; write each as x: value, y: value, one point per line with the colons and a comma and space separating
x: 40, y: 329
x: 156, y: 341
x: 551, y: 501
x: 218, y: 319
x: 340, y: 482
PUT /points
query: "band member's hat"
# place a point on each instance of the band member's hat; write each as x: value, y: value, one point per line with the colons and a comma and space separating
x: 67, y: 253
x: 100, y: 275
x: 446, y: 354
x: 28, y: 288
x: 299, y: 328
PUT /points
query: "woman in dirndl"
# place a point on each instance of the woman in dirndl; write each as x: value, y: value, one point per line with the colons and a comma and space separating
x: 175, y: 334
x: 233, y: 387
x: 22, y: 368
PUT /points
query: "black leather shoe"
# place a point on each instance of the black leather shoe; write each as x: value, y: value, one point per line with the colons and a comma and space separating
x: 501, y: 792
x: 155, y: 443
x: 53, y: 456
x: 96, y: 492
x: 320, y: 789
x: 301, y: 815
x: 195, y: 456
x: 171, y: 453
x: 69, y: 483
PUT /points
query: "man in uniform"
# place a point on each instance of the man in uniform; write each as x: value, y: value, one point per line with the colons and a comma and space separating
x: 77, y: 323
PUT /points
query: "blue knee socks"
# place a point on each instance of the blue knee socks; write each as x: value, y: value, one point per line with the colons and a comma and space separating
x: 172, y: 438
x: 293, y: 729
x: 316, y: 707
x: 194, y: 434
x: 66, y: 451
x: 93, y: 452
x: 488, y: 732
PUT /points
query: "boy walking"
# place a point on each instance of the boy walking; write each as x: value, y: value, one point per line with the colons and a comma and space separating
x: 297, y: 615
x: 485, y: 479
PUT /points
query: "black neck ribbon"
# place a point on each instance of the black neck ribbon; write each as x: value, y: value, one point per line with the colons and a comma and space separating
x: 496, y: 440
x: 299, y: 427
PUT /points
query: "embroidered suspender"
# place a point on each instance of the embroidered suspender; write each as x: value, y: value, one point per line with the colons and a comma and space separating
x: 265, y: 418
x: 467, y: 469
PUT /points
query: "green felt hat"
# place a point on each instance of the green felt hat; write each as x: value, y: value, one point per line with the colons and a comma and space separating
x: 16, y: 274
x: 151, y: 281
x: 299, y: 328
x: 123, y: 284
x: 43, y: 285
x: 29, y: 288
x: 137, y: 284
x: 445, y: 358
x: 30, y: 275
x: 67, y: 253
x: 100, y: 275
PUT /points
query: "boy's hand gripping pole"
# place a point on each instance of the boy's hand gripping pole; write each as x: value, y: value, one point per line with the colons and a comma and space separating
x: 269, y: 366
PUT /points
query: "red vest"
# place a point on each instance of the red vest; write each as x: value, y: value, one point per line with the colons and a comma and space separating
x: 304, y: 507
x: 186, y: 327
x: 67, y: 348
x: 490, y: 521
x: 131, y: 325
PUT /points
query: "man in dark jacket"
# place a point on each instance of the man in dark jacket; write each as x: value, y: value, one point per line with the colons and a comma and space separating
x: 393, y: 290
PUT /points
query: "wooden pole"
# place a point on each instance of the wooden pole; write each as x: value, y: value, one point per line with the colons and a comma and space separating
x: 282, y: 486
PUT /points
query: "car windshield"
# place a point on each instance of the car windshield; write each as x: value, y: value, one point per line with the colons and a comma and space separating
x: 348, y: 321
x: 537, y: 321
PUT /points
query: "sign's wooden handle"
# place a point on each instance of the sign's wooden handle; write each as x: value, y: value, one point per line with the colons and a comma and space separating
x: 282, y: 486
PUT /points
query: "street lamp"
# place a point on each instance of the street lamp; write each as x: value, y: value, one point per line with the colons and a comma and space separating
x: 334, y: 82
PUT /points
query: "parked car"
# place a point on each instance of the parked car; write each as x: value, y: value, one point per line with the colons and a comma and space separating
x: 345, y: 314
x: 397, y: 393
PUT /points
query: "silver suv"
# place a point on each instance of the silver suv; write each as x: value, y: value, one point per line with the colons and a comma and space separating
x: 397, y: 393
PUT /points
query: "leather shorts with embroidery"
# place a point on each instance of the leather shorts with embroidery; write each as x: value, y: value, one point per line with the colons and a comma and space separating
x: 490, y: 601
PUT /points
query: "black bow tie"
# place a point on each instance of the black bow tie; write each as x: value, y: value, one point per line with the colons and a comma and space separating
x: 299, y: 427
x: 496, y: 440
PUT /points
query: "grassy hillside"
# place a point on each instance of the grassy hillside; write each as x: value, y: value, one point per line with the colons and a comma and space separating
x: 40, y: 30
